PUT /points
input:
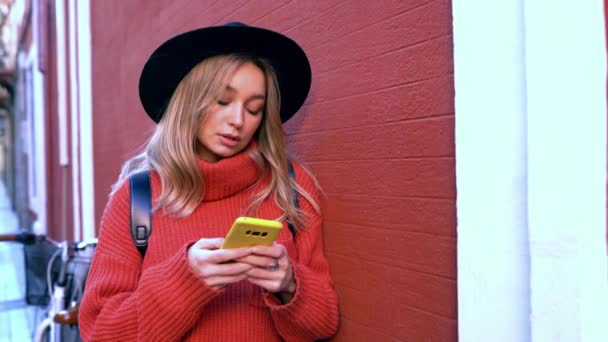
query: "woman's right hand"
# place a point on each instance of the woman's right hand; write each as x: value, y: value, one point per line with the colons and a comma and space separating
x: 216, y: 266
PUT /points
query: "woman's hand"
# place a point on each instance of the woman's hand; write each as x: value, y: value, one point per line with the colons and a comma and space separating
x: 218, y: 267
x: 271, y: 270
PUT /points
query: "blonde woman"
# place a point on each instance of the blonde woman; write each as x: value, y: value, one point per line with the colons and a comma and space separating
x: 218, y: 95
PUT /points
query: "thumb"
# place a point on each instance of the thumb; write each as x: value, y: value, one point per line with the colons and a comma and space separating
x: 206, y: 243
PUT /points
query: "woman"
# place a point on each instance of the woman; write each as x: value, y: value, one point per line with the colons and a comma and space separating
x: 219, y: 96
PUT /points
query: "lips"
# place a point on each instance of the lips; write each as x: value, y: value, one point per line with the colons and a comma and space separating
x: 231, y: 137
x: 229, y: 140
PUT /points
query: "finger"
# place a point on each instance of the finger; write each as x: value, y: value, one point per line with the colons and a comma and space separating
x: 276, y: 251
x: 230, y: 269
x: 268, y: 285
x: 200, y: 257
x: 263, y: 273
x: 257, y: 260
x: 213, y: 243
x: 221, y: 281
x: 223, y: 255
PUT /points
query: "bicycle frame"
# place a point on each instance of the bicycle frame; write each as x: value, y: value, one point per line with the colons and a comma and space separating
x: 57, y: 303
x: 61, y: 317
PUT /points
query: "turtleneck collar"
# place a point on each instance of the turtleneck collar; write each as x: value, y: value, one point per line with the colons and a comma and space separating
x: 229, y: 176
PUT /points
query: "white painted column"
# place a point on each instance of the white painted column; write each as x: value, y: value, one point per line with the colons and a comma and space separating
x: 566, y: 76
x: 39, y: 104
x: 74, y: 118
x: 493, y: 256
x: 83, y: 16
x: 61, y: 82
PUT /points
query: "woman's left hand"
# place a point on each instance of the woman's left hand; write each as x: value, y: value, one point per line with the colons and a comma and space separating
x: 272, y: 270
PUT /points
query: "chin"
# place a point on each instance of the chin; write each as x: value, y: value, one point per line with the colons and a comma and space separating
x: 227, y: 153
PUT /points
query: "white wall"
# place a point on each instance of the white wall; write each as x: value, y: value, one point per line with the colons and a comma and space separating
x: 74, y: 89
x: 530, y: 80
x: 38, y: 200
x: 493, y: 256
x: 566, y: 77
x: 33, y: 132
x: 85, y: 84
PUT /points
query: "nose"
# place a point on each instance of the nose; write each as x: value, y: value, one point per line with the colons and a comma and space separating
x: 237, y: 115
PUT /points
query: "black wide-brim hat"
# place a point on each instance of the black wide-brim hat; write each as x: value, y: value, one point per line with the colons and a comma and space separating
x: 174, y: 59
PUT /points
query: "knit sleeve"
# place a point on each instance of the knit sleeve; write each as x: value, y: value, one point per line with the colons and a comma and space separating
x: 312, y: 313
x: 123, y: 303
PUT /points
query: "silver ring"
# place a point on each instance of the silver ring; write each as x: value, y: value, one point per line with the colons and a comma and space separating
x: 273, y: 266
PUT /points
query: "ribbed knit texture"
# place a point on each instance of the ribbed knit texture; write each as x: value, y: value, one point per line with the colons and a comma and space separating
x: 162, y: 299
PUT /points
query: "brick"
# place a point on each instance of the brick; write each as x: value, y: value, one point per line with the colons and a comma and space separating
x: 422, y: 99
x: 428, y: 21
x: 392, y: 246
x: 421, y: 215
x: 352, y: 331
x: 422, y: 291
x: 400, y: 177
x: 416, y: 63
x: 296, y: 13
x: 433, y: 137
x: 349, y: 17
x: 379, y: 311
x: 416, y: 325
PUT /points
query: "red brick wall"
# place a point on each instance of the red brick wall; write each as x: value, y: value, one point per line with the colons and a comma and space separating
x: 377, y: 129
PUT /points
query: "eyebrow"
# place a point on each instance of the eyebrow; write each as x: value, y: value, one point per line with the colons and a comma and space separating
x: 255, y: 96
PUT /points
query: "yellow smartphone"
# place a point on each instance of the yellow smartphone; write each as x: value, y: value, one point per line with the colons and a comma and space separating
x: 250, y: 231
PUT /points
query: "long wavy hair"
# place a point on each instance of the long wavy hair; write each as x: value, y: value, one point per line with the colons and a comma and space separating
x: 171, y: 151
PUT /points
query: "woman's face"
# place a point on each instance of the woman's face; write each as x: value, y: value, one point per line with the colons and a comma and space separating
x: 231, y: 122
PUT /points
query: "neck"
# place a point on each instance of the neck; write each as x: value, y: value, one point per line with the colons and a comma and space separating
x: 229, y: 176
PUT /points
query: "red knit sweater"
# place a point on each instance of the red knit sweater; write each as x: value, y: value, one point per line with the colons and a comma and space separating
x: 161, y: 298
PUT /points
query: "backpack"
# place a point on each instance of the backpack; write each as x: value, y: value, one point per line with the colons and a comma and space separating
x: 141, y: 208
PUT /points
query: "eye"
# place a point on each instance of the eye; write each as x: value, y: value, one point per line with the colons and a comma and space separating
x: 255, y: 111
x: 223, y: 102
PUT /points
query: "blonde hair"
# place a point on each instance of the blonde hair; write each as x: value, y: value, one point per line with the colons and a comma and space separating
x: 171, y: 151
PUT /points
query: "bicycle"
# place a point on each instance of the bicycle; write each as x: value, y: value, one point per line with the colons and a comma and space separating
x: 66, y: 289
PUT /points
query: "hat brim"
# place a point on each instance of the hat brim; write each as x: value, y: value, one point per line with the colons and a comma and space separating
x: 172, y: 61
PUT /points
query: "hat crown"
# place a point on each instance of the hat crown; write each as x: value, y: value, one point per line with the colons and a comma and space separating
x: 235, y: 23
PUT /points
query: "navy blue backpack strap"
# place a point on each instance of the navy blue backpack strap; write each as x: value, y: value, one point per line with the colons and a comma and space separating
x: 141, y: 210
x: 296, y: 203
